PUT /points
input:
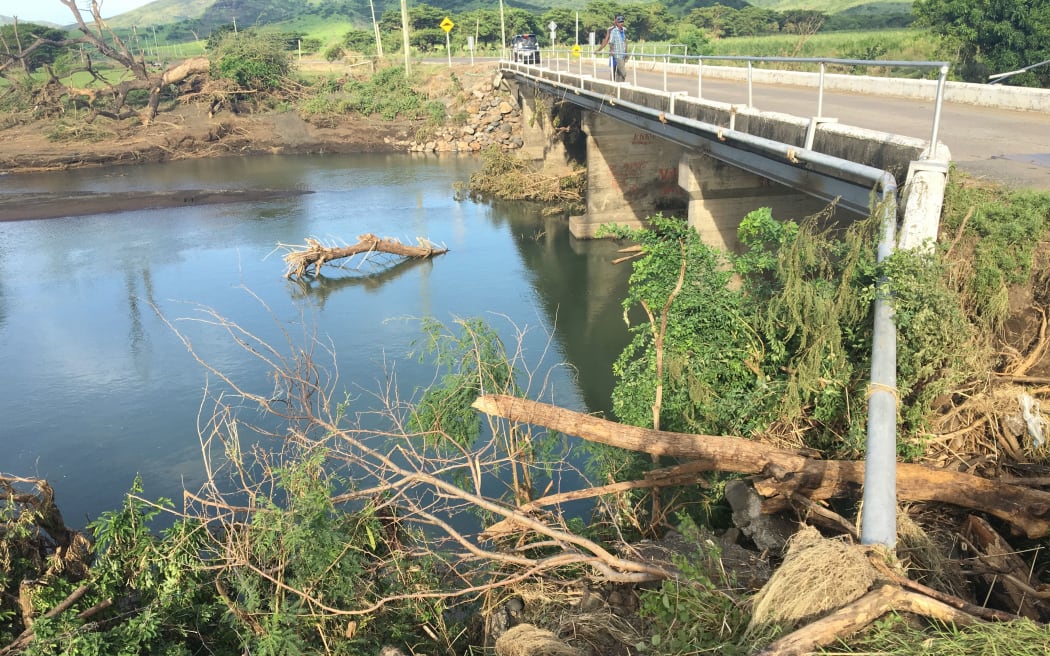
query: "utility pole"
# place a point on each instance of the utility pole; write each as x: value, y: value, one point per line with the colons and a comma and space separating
x: 404, y: 31
x: 375, y: 26
x: 503, y: 31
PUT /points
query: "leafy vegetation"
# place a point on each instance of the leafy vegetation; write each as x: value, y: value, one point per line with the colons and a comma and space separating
x: 695, y: 613
x: 293, y: 567
x: 252, y: 61
x: 788, y: 351
x: 994, y: 37
x: 297, y: 552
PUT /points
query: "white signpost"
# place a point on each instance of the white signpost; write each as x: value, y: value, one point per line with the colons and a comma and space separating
x: 554, y: 30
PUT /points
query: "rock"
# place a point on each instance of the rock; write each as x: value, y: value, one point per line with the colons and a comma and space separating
x: 768, y: 532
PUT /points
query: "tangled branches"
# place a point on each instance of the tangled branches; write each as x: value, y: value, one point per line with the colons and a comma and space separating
x: 393, y: 513
x: 302, y: 260
x: 506, y: 177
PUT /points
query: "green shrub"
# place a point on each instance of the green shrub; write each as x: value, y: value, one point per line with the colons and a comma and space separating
x: 698, y: 612
x: 257, y: 62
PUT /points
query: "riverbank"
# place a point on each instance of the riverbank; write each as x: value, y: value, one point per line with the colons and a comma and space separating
x: 479, y: 109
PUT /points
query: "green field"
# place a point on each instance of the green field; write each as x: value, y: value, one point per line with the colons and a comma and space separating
x: 905, y: 45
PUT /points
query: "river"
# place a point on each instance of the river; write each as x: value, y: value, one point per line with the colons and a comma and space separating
x: 99, y: 387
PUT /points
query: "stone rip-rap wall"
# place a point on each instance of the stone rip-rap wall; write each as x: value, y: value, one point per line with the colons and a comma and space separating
x: 492, y: 118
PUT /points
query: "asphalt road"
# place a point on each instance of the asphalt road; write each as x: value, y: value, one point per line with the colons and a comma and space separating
x: 1003, y: 145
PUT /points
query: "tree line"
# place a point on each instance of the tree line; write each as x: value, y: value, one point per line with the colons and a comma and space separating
x: 980, y: 39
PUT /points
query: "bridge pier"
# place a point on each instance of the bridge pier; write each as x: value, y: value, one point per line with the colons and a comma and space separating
x: 721, y: 195
x: 540, y: 141
x: 631, y: 175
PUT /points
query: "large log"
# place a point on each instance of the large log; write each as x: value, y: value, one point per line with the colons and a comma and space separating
x: 786, y: 471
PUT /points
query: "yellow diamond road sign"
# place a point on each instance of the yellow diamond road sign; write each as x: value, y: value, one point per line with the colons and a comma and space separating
x: 447, y: 24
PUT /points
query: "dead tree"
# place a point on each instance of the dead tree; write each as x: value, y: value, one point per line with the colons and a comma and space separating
x: 302, y: 261
x: 99, y: 37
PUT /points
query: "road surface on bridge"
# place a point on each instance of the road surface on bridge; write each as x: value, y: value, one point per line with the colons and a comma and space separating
x: 1003, y: 145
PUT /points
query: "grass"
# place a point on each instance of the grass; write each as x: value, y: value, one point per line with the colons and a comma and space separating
x: 906, y: 45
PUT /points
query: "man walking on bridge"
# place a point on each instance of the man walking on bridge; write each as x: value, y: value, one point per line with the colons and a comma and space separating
x: 616, y: 39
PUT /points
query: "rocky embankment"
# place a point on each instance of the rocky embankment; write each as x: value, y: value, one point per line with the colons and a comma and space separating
x: 489, y: 118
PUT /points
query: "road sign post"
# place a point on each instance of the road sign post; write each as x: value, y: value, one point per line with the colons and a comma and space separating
x: 447, y: 25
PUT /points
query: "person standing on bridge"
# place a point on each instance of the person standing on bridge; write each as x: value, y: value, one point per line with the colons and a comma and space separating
x: 616, y: 39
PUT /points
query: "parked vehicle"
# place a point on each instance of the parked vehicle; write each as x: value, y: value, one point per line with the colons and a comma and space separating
x: 525, y: 49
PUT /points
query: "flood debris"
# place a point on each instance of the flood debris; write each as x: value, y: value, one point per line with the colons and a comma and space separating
x: 307, y: 260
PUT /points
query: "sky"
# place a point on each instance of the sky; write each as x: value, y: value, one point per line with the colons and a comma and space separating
x: 53, y: 11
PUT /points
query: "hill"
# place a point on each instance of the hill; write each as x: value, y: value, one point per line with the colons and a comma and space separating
x: 831, y: 7
x: 211, y: 13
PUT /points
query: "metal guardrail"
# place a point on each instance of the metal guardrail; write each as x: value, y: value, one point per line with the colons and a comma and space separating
x: 999, y: 77
x: 555, y: 58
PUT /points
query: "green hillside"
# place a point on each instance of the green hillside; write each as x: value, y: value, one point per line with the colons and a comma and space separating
x: 211, y: 13
x: 835, y: 6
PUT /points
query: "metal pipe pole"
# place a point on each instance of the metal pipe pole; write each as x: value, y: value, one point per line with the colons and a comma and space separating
x: 937, y: 112
x: 820, y: 94
x: 749, y: 86
x: 878, y: 522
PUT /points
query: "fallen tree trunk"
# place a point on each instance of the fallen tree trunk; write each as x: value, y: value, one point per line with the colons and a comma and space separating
x: 786, y: 472
x: 316, y: 254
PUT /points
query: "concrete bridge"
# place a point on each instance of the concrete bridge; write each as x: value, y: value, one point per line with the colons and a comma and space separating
x: 650, y: 150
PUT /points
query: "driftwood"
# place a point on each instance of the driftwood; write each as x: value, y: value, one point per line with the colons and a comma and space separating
x: 1005, y: 571
x: 782, y: 473
x: 300, y: 262
x: 851, y: 618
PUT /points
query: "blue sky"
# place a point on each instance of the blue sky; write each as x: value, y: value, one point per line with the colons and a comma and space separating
x: 53, y: 11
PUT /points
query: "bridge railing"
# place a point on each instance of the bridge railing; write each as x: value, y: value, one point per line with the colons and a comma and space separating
x: 575, y: 61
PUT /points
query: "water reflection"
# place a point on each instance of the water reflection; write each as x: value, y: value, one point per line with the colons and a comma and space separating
x: 105, y: 390
x: 320, y: 287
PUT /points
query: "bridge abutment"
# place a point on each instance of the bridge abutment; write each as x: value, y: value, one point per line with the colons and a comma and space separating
x: 631, y: 175
x: 541, y: 142
x: 720, y: 195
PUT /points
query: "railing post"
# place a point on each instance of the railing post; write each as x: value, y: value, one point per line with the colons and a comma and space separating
x: 750, y: 95
x: 666, y: 60
x: 699, y: 77
x: 937, y: 112
x: 820, y: 93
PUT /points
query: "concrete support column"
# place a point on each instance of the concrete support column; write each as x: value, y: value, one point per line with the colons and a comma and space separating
x: 631, y: 175
x: 540, y: 142
x: 721, y: 195
x: 923, y: 199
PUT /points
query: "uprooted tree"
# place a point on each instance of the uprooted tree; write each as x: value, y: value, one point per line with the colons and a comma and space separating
x: 308, y: 260
x: 117, y: 75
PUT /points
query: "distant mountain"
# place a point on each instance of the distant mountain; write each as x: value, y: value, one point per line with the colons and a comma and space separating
x: 8, y: 20
x: 213, y: 13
